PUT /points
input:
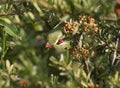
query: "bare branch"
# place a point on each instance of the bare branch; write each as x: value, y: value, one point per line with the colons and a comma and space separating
x: 6, y: 14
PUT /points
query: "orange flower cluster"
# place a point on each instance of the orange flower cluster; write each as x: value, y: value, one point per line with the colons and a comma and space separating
x: 88, y: 23
x: 84, y: 51
x: 69, y: 27
x: 75, y: 53
x: 93, y: 86
x: 79, y: 52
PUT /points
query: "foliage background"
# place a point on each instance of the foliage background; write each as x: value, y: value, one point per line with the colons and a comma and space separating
x: 26, y: 26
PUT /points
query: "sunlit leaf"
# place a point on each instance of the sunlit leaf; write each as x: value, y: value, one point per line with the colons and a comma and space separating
x: 9, y: 28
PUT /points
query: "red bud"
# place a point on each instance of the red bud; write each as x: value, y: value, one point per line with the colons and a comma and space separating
x: 72, y: 52
x: 117, y: 10
x: 117, y: 7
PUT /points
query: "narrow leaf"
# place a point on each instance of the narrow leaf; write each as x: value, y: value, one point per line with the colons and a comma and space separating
x: 9, y: 28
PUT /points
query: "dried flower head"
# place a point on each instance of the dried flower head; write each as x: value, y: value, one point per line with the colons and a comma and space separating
x: 89, y: 23
x: 69, y: 27
x: 84, y: 51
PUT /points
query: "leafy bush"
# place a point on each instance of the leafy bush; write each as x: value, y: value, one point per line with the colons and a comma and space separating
x: 59, y: 44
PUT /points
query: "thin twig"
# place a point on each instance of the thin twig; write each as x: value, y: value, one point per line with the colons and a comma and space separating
x: 112, y: 19
x: 7, y: 14
x: 116, y: 46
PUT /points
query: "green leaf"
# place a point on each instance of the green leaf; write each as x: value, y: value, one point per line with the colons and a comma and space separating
x: 54, y: 60
x: 9, y: 28
x: 66, y: 59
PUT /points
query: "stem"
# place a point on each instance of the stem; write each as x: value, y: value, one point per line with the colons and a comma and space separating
x: 3, y: 44
x: 116, y: 47
x: 7, y: 14
x: 4, y: 49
